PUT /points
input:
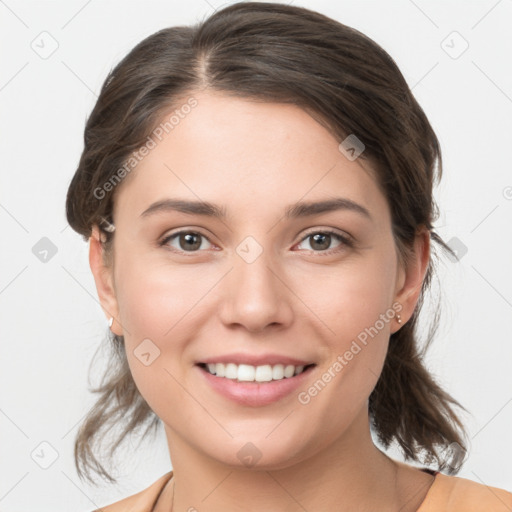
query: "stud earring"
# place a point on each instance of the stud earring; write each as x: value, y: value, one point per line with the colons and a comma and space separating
x: 107, y: 226
x: 110, y: 322
x: 398, y: 318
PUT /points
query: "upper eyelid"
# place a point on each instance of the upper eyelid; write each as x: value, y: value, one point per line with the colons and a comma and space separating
x: 338, y: 232
x: 168, y: 236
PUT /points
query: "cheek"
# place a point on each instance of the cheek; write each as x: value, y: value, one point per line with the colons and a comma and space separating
x: 155, y: 300
x: 350, y: 298
x: 153, y: 305
x: 356, y: 306
x: 160, y: 308
x: 361, y: 304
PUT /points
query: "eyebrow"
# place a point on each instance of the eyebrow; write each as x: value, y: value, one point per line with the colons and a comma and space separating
x: 294, y: 211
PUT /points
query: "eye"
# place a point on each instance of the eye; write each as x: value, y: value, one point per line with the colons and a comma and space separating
x: 188, y: 241
x: 192, y: 241
x: 321, y: 240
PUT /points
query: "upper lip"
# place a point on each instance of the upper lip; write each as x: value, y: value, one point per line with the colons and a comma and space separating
x: 255, y: 360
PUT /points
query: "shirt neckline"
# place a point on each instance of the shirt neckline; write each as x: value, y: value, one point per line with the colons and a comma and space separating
x: 421, y: 508
x: 427, y: 498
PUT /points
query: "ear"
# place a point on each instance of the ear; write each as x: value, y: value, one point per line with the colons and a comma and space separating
x: 103, y: 277
x: 410, y: 278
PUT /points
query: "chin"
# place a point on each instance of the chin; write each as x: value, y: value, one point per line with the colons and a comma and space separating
x: 260, y: 454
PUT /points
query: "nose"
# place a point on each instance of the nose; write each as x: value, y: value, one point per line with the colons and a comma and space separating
x: 256, y: 296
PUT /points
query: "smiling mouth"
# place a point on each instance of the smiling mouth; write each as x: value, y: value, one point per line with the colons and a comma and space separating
x: 249, y: 373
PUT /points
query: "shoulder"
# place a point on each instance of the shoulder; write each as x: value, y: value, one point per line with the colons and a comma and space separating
x: 143, y: 501
x: 456, y: 494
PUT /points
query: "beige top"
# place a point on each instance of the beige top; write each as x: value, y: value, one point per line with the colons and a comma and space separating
x: 446, y: 494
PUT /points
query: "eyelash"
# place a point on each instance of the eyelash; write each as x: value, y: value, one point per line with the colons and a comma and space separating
x: 345, y: 241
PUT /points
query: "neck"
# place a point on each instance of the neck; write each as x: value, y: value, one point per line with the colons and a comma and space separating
x: 336, y: 478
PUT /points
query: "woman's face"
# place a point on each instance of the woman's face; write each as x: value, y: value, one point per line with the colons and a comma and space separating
x: 266, y: 284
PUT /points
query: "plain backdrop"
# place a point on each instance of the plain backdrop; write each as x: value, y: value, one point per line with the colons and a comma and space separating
x: 55, y: 55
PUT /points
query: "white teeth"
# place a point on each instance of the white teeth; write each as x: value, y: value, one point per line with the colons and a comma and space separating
x: 249, y: 373
x: 278, y: 372
x: 289, y: 370
x: 231, y: 371
x: 246, y: 372
x: 220, y: 370
x: 263, y: 373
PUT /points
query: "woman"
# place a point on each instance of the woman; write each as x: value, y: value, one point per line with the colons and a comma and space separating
x: 257, y: 194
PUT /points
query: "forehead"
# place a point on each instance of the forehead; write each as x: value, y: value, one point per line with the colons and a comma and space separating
x: 247, y: 155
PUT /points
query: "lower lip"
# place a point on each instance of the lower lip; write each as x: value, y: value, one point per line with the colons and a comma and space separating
x: 255, y: 394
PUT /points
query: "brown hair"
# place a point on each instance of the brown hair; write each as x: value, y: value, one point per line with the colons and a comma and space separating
x: 278, y: 53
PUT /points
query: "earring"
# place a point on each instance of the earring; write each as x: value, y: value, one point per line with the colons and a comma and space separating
x: 398, y: 318
x: 110, y: 322
x: 107, y: 226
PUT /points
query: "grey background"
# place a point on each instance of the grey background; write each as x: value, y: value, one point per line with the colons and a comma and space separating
x: 51, y: 321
